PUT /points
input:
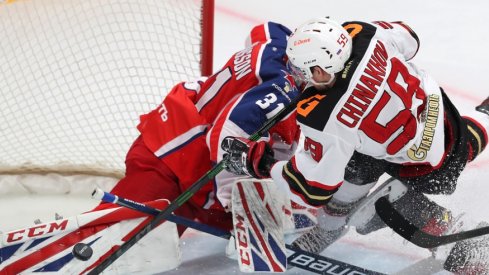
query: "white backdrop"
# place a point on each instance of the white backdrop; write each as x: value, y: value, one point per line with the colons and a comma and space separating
x: 454, y: 49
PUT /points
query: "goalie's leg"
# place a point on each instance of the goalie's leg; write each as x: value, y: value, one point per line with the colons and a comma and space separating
x: 50, y: 249
x: 149, y: 178
x: 259, y: 224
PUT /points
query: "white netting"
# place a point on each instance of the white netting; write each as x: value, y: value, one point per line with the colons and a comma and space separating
x: 76, y: 74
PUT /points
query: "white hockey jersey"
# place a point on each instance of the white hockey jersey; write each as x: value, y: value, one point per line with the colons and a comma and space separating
x: 381, y: 105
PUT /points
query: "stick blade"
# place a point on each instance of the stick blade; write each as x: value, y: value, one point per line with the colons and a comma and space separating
x: 400, y: 224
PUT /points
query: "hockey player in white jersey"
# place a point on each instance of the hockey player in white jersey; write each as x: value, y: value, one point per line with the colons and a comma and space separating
x: 368, y: 111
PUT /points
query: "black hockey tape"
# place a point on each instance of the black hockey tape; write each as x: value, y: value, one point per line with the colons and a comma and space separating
x: 82, y: 251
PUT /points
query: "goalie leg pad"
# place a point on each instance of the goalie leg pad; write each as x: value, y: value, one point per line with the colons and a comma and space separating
x: 259, y: 226
x: 51, y: 250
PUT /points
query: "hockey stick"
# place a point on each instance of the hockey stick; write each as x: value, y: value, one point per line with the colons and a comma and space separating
x: 99, y: 194
x: 305, y: 260
x: 187, y: 194
x: 415, y: 235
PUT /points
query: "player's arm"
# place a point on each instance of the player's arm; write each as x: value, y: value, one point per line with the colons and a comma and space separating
x: 401, y: 36
x: 316, y: 171
x: 248, y: 113
x: 274, y: 89
x: 311, y: 177
x: 398, y: 34
x: 241, y: 119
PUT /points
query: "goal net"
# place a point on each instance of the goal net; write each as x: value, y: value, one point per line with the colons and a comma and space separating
x: 76, y: 74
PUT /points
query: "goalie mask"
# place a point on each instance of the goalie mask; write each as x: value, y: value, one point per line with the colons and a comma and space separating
x: 318, y: 42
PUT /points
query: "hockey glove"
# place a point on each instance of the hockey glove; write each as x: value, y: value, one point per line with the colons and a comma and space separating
x: 246, y: 157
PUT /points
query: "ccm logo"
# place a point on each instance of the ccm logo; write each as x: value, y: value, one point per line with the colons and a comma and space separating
x: 242, y: 241
x: 302, y: 41
x: 35, y: 231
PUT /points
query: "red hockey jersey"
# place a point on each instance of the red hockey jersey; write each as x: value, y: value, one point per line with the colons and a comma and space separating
x: 251, y: 87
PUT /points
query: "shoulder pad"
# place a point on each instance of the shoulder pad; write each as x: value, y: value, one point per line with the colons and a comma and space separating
x: 316, y: 107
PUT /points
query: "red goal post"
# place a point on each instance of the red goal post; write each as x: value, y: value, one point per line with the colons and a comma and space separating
x: 76, y: 74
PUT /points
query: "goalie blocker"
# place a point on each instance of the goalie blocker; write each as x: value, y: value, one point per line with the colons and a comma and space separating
x: 48, y: 247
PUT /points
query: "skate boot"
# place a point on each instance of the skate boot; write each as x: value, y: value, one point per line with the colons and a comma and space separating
x: 484, y: 107
x: 331, y: 225
x: 318, y: 239
x: 372, y: 225
x: 418, y: 209
x: 470, y: 257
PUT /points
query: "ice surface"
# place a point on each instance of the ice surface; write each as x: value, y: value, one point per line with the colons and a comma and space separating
x: 454, y: 49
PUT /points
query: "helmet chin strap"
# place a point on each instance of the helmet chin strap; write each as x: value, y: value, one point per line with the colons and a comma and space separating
x: 332, y: 78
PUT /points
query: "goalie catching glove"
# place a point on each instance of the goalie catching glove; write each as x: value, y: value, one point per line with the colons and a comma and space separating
x: 246, y: 157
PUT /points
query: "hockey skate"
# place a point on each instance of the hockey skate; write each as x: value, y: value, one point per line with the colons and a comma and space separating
x: 332, y: 225
x: 470, y: 257
x: 484, y: 107
x: 425, y: 214
x: 337, y: 217
x: 318, y: 239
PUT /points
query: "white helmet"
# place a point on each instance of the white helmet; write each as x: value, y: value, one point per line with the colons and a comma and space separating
x: 319, y: 42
